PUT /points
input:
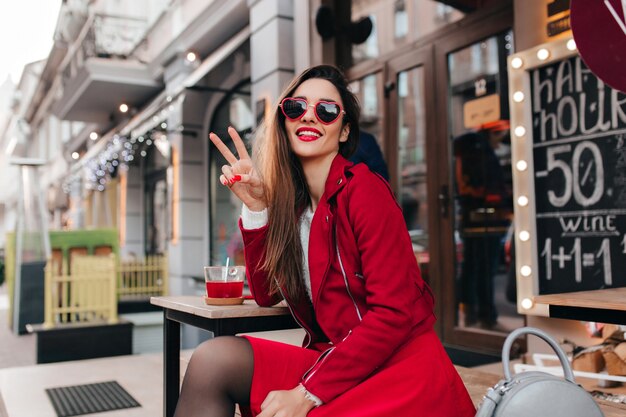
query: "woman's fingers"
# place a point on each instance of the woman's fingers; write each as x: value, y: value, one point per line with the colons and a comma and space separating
x: 247, y: 179
x: 267, y: 412
x: 232, y: 159
x: 267, y: 402
x: 241, y: 147
x: 285, y: 403
x: 227, y: 170
x: 239, y: 174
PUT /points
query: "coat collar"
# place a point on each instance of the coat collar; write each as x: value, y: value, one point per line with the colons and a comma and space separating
x: 321, y: 245
x: 336, y: 179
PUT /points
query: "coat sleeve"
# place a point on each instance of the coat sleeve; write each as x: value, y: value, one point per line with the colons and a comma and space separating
x: 254, y: 249
x: 397, y: 299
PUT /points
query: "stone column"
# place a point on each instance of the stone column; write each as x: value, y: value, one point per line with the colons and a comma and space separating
x: 189, y: 247
x: 188, y: 251
x: 272, y: 47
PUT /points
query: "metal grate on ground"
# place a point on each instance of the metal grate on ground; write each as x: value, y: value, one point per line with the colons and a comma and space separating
x: 79, y: 400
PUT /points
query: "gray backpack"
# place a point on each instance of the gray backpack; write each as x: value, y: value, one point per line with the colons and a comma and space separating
x: 537, y: 394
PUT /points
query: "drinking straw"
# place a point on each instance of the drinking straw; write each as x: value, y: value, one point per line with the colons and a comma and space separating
x: 225, y: 273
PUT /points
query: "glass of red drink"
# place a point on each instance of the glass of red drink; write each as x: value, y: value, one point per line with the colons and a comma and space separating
x: 224, y: 282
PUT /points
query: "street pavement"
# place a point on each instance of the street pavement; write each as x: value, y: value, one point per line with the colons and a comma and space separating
x: 14, y: 350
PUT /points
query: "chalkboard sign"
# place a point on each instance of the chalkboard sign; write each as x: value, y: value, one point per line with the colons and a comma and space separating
x: 579, y: 158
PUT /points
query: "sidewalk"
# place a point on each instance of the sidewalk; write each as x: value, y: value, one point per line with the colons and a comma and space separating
x: 14, y: 350
x: 23, y: 382
x: 23, y: 388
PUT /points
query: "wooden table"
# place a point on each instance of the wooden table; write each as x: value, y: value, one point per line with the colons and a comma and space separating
x: 221, y: 320
x: 603, y: 306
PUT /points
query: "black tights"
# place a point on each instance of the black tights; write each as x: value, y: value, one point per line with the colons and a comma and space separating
x: 218, y: 376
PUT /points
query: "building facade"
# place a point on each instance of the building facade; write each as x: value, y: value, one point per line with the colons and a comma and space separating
x: 122, y: 108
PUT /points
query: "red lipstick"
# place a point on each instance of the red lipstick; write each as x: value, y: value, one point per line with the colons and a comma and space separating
x: 308, y: 134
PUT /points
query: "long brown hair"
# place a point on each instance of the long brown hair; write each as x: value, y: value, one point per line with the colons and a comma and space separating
x: 287, y: 193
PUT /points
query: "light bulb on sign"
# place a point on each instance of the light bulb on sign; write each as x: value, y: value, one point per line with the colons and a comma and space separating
x: 525, y: 271
x: 524, y: 235
x: 521, y: 165
x: 520, y: 131
x: 518, y: 96
x: 527, y: 303
x: 543, y: 54
x: 517, y: 62
x: 522, y: 200
x: 571, y: 45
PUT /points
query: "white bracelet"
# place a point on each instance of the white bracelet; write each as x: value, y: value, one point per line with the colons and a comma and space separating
x: 313, y: 398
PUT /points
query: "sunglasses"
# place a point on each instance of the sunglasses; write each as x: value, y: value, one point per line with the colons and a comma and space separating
x: 326, y: 112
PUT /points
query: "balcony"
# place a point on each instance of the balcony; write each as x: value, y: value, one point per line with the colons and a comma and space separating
x: 100, y: 70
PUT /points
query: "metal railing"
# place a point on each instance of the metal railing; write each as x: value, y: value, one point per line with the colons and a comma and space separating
x: 87, y: 295
x: 142, y: 278
x: 91, y: 291
x: 116, y: 35
x: 104, y: 36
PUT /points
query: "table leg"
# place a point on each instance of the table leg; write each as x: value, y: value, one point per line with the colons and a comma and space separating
x: 171, y: 367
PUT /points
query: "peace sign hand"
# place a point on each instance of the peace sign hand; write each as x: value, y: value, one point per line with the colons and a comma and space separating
x: 240, y: 175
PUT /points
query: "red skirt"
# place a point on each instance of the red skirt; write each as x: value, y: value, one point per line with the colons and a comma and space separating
x: 419, y: 380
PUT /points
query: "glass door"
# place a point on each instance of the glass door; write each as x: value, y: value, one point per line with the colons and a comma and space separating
x: 480, y: 148
x: 480, y: 307
x: 372, y: 149
x: 413, y: 152
x: 396, y: 99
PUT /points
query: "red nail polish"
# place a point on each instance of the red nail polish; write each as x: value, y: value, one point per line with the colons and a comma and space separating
x: 225, y: 182
x: 237, y: 178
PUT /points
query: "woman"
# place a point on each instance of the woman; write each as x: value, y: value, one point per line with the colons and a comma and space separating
x: 328, y: 237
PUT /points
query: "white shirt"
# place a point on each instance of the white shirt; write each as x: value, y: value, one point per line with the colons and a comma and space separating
x: 257, y: 219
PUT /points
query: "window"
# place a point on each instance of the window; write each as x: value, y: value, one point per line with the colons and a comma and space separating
x: 398, y: 22
x: 402, y: 19
x: 235, y: 110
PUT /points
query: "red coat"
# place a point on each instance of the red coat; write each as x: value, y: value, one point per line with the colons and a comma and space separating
x: 369, y: 299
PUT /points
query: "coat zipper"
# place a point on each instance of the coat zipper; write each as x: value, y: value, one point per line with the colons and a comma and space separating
x: 323, y: 356
x: 294, y: 315
x: 345, y: 279
x: 319, y: 360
